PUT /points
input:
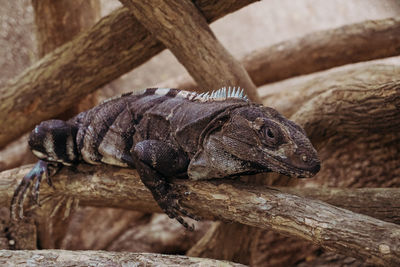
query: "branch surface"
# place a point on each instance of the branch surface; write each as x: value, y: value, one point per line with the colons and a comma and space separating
x: 115, y: 45
x: 333, y: 228
x: 100, y: 258
x: 181, y: 27
x: 321, y: 50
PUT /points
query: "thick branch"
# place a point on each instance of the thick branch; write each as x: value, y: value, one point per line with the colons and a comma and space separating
x: 326, y: 49
x: 57, y: 22
x: 317, y: 51
x: 292, y: 95
x: 100, y: 258
x: 114, y: 46
x: 380, y: 203
x: 334, y: 228
x: 355, y: 109
x: 181, y: 27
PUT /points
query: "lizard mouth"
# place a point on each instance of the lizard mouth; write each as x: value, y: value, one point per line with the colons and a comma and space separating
x: 298, y: 172
x: 291, y: 170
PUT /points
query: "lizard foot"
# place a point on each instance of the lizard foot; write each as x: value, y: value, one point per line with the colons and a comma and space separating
x: 41, y: 170
x: 169, y: 203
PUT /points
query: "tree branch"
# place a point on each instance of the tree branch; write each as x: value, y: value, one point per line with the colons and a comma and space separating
x: 293, y: 95
x: 334, y: 228
x: 114, y: 46
x: 180, y: 27
x: 321, y: 50
x: 100, y: 258
x: 356, y: 109
x: 380, y: 203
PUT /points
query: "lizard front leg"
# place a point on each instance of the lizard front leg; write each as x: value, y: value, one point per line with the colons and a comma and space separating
x: 156, y: 161
x: 41, y: 170
x: 52, y: 141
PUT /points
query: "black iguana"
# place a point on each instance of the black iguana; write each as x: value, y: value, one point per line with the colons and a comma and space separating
x: 166, y: 133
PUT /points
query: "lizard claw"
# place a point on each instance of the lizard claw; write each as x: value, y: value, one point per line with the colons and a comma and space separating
x: 171, y: 206
x: 40, y: 170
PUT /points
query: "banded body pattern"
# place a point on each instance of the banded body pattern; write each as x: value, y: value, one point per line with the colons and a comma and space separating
x: 107, y: 132
x: 165, y: 133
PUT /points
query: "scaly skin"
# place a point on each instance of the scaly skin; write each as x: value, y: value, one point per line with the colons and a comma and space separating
x: 166, y: 133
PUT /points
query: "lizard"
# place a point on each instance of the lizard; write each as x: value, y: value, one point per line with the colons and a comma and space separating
x: 166, y: 133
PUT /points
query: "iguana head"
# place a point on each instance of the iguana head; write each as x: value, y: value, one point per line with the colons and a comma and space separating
x: 266, y: 139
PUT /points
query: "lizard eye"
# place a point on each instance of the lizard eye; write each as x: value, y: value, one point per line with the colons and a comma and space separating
x: 270, y: 134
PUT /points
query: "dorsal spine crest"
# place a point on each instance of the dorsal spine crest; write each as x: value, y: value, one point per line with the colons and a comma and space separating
x: 218, y: 95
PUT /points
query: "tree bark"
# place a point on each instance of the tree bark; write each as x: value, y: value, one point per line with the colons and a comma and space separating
x: 381, y: 203
x: 180, y: 27
x: 334, y: 228
x: 58, y: 22
x: 293, y: 95
x: 346, y: 158
x: 100, y: 258
x: 114, y: 46
x: 368, y: 40
x: 135, y: 47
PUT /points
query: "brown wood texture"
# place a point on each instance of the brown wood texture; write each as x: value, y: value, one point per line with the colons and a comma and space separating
x: 368, y: 40
x: 362, y: 122
x: 334, y: 228
x: 57, y: 22
x: 351, y: 158
x: 100, y: 258
x: 114, y: 46
x: 359, y: 123
x: 181, y: 27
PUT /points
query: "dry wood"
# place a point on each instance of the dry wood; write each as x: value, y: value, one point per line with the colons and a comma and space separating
x: 351, y: 157
x: 238, y: 249
x: 58, y: 22
x: 374, y: 202
x: 360, y: 128
x: 293, y: 95
x: 352, y: 110
x: 333, y: 228
x: 326, y: 49
x: 100, y: 258
x: 114, y: 46
x: 181, y: 27
x: 317, y: 51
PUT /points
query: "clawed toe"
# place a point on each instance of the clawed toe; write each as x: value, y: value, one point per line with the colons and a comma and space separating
x: 174, y: 210
x: 40, y: 170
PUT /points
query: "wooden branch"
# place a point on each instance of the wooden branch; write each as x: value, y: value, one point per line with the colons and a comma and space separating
x: 100, y: 258
x: 293, y: 95
x: 326, y: 49
x: 357, y: 109
x: 333, y: 228
x: 181, y: 27
x: 114, y: 46
x: 321, y: 50
x: 57, y: 22
x: 374, y: 202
